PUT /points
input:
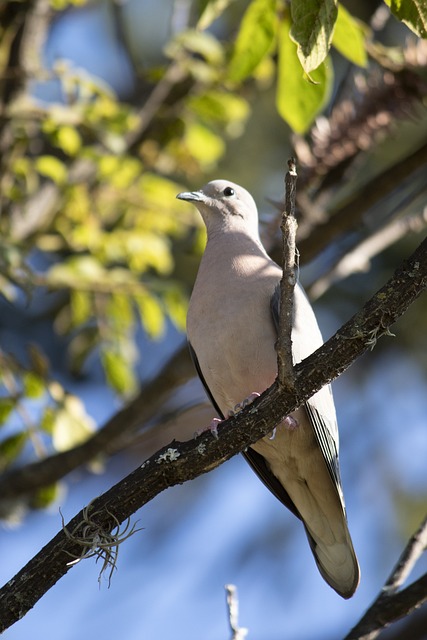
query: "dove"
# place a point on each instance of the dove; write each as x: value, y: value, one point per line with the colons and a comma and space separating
x: 232, y: 326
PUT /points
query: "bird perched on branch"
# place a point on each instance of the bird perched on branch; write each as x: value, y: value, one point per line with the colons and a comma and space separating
x: 232, y: 327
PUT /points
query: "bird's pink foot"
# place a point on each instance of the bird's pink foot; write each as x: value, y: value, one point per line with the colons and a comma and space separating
x: 289, y: 423
x: 241, y: 405
x: 213, y: 428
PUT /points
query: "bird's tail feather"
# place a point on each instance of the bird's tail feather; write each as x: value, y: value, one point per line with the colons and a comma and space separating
x: 337, y: 563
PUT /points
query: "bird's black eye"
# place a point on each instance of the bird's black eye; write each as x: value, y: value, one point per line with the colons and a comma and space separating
x: 228, y: 191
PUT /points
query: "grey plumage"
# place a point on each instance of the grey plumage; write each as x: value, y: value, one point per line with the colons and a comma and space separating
x: 232, y: 328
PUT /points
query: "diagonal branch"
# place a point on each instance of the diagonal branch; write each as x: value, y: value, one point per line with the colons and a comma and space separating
x: 391, y: 604
x: 181, y: 462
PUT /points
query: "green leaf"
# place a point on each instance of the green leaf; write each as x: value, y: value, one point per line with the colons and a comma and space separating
x: 34, y: 385
x: 10, y: 448
x: 72, y: 425
x: 52, y: 168
x: 219, y: 107
x: 204, y: 145
x: 176, y: 305
x: 45, y: 496
x: 298, y: 100
x: 118, y: 372
x: 7, y: 405
x: 313, y: 24
x: 202, y: 43
x: 254, y: 40
x: 212, y: 11
x: 413, y: 13
x: 68, y: 139
x: 81, y: 307
x: 151, y: 314
x: 349, y: 37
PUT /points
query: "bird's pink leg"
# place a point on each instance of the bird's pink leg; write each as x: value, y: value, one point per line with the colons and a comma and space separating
x: 241, y: 405
x: 213, y: 427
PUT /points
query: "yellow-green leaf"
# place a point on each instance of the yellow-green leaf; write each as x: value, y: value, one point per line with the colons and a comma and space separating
x: 313, y: 24
x: 52, y: 168
x: 349, y: 37
x: 34, y: 385
x: 118, y: 372
x: 254, y: 40
x: 204, y: 145
x: 72, y: 425
x: 7, y: 405
x: 151, y: 314
x: 202, y: 43
x: 81, y: 307
x: 298, y: 100
x: 212, y: 11
x: 68, y: 139
x: 10, y: 448
x: 413, y: 13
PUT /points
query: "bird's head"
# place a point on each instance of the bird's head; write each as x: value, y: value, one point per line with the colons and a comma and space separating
x: 224, y: 206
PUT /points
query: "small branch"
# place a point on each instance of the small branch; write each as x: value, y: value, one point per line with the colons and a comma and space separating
x: 286, y: 375
x: 185, y: 461
x: 413, y: 550
x: 358, y: 259
x: 350, y: 214
x: 391, y: 604
x: 237, y: 633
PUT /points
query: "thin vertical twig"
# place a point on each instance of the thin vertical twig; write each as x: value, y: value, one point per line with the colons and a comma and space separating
x: 288, y: 227
x: 237, y: 633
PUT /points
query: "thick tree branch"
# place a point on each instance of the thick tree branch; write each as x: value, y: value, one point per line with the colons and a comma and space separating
x: 185, y: 461
x: 392, y: 604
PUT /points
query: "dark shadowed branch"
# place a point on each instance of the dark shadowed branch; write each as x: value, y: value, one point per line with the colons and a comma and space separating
x: 392, y: 604
x: 181, y: 462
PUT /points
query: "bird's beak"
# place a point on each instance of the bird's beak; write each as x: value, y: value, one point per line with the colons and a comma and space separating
x: 191, y: 196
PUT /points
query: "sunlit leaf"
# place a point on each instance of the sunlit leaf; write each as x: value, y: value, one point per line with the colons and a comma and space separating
x: 298, y: 100
x: 34, y: 385
x: 81, y: 307
x: 118, y: 372
x: 68, y: 139
x: 72, y: 425
x: 212, y: 11
x: 75, y: 271
x: 200, y: 42
x: 220, y: 107
x: 313, y: 24
x: 204, y: 145
x: 151, y: 314
x: 349, y: 37
x: 254, y: 39
x: 413, y: 13
x: 119, y: 312
x: 52, y: 168
x: 176, y: 304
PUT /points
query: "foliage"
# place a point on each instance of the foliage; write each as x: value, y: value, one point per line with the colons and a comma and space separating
x: 88, y: 209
